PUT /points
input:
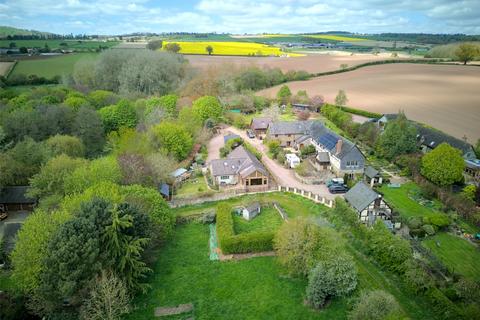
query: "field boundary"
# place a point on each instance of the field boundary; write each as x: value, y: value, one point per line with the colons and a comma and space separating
x: 9, y: 72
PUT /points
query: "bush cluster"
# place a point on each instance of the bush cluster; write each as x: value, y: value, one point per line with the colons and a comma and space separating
x: 239, y: 243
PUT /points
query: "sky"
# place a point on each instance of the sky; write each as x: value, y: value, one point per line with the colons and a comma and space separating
x: 242, y: 16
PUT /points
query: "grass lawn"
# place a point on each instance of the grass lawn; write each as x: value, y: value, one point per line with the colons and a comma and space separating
x: 255, y: 288
x: 293, y: 204
x: 51, y: 66
x: 457, y: 254
x: 192, y: 186
x: 268, y: 220
x: 400, y: 199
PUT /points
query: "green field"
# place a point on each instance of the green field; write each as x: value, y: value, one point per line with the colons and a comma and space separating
x: 255, y: 288
x: 458, y: 255
x: 55, y: 44
x: 51, y: 66
x: 402, y: 199
x: 268, y: 220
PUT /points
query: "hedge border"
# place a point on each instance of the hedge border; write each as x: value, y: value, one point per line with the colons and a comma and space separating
x: 239, y: 243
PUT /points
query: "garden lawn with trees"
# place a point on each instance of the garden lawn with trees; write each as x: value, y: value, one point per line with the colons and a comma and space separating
x: 184, y: 274
x: 458, y: 255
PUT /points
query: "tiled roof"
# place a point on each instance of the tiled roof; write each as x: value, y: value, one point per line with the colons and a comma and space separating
x: 360, y: 196
x: 371, y: 172
x: 432, y: 138
x: 290, y: 127
x: 239, y: 161
x: 260, y: 123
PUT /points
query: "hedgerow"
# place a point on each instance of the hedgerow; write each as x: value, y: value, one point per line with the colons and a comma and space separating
x: 239, y: 243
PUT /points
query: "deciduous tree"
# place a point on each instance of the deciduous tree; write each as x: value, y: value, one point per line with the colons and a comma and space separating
x: 443, y: 165
x: 68, y: 145
x: 341, y: 98
x: 399, y: 137
x: 207, y: 107
x: 284, y: 94
x: 376, y: 305
x: 300, y: 244
x: 209, y: 50
x: 174, y: 138
x: 172, y: 47
x: 333, y: 277
x: 467, y: 52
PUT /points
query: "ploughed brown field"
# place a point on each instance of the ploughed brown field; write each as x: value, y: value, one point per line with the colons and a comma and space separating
x: 443, y: 96
x: 313, y: 63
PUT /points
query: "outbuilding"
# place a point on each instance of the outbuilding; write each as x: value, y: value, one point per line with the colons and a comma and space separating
x: 15, y: 198
x: 369, y: 204
x: 251, y: 211
x: 372, y: 176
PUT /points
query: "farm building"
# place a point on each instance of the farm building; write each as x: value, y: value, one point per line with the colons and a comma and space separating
x: 369, y: 205
x: 239, y: 168
x: 372, y: 176
x: 251, y: 211
x: 472, y: 167
x: 292, y: 159
x: 287, y: 132
x: 260, y: 125
x: 334, y: 152
x: 15, y: 199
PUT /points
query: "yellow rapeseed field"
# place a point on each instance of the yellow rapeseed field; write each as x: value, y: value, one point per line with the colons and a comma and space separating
x: 230, y: 48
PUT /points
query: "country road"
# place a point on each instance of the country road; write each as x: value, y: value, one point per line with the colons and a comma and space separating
x: 282, y: 175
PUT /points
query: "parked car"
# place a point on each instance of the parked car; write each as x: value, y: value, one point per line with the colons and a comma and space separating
x: 250, y: 134
x: 335, y: 181
x: 338, y: 188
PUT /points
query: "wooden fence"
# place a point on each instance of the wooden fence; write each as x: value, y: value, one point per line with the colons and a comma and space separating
x: 175, y: 203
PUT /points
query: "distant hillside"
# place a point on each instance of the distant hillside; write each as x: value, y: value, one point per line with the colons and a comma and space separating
x: 6, y: 31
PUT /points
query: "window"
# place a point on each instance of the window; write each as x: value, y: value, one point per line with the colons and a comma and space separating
x: 276, y: 136
x: 224, y: 177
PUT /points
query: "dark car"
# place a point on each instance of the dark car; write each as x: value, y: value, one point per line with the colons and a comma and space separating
x: 250, y: 134
x: 337, y: 188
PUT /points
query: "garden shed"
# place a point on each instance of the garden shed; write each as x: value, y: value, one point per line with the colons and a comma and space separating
x: 251, y: 211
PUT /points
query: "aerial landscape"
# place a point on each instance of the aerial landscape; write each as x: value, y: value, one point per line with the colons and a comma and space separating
x: 210, y: 159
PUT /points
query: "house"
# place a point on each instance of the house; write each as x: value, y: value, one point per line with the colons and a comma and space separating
x: 429, y: 138
x: 15, y: 199
x: 287, y: 132
x: 368, y: 204
x: 334, y: 152
x: 260, y: 126
x: 372, y: 176
x: 292, y: 159
x: 251, y: 211
x: 180, y: 175
x: 240, y: 167
x: 472, y: 167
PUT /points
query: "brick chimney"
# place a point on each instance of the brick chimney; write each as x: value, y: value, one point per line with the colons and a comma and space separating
x: 338, y: 146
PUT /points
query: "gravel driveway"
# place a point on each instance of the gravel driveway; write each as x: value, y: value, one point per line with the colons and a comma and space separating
x: 282, y: 175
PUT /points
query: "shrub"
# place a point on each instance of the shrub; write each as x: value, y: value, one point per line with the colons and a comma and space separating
x: 300, y: 244
x: 415, y: 222
x: 375, y: 305
x: 438, y: 220
x: 333, y: 277
x: 274, y: 148
x: 307, y: 150
x: 442, y: 305
x: 429, y: 229
x: 416, y: 277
